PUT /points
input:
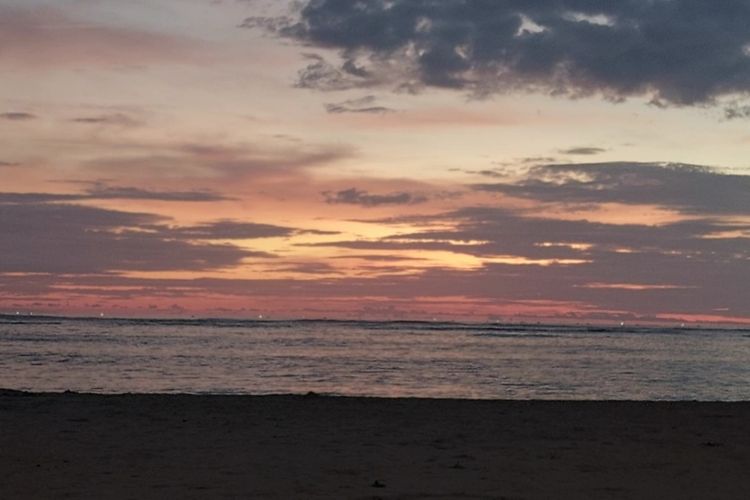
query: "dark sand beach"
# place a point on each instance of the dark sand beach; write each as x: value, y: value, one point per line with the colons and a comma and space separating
x: 154, y: 446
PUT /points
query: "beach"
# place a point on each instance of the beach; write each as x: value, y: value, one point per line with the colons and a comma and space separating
x: 69, y: 445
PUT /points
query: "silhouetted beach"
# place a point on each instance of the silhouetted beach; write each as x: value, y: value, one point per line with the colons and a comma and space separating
x: 178, y: 446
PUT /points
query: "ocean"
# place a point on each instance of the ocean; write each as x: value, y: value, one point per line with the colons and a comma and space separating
x: 387, y: 359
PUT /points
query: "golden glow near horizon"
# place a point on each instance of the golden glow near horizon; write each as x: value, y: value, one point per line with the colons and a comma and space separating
x: 157, y: 158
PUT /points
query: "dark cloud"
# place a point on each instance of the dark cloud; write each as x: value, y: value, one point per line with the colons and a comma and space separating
x: 362, y: 105
x: 675, y: 52
x: 688, y: 267
x: 307, y: 268
x: 378, y: 257
x: 102, y: 192
x: 318, y: 232
x: 493, y: 231
x: 583, y: 151
x: 50, y: 237
x: 737, y: 111
x: 389, y: 244
x: 269, y: 23
x: 691, y: 266
x: 114, y: 119
x: 319, y: 74
x: 489, y: 173
x: 8, y: 164
x: 354, y: 196
x: 689, y: 188
x: 534, y: 160
x: 33, y: 198
x: 17, y: 116
x: 635, y: 269
x: 232, y: 230
x: 53, y: 238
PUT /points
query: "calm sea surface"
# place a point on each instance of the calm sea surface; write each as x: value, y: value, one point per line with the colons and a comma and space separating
x: 374, y: 359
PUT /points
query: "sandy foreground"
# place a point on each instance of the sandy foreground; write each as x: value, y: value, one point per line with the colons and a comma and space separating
x: 152, y: 446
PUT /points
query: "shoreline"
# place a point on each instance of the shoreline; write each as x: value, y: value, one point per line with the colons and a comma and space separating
x: 82, y: 445
x: 740, y: 326
x: 325, y: 395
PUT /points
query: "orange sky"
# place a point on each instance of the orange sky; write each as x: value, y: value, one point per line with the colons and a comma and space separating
x: 245, y: 158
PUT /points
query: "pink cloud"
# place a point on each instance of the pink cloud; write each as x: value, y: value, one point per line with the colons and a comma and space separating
x: 47, y: 37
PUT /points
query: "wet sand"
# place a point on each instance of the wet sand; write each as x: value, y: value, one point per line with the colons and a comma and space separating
x: 153, y: 446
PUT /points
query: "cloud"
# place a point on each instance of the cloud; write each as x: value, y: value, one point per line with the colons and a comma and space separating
x: 533, y: 160
x: 673, y: 52
x: 217, y: 160
x: 362, y: 105
x: 269, y: 23
x: 519, y: 259
x: 44, y: 37
x: 319, y: 74
x: 17, y: 116
x: 102, y: 192
x: 737, y: 111
x: 114, y: 119
x: 354, y: 196
x: 8, y: 164
x: 32, y: 198
x: 583, y: 151
x: 313, y: 268
x: 232, y: 230
x: 50, y: 237
x: 379, y: 257
x: 681, y: 265
x: 689, y: 188
x: 486, y: 232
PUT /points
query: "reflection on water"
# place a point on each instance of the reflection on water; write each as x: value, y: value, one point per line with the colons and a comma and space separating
x: 374, y: 359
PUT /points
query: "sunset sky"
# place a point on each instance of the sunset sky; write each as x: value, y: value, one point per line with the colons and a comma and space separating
x: 574, y: 160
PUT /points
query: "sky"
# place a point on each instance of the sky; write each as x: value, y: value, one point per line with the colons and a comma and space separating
x: 505, y: 160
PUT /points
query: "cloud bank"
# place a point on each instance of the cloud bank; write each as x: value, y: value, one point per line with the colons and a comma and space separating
x: 674, y: 52
x: 61, y: 238
x: 689, y: 188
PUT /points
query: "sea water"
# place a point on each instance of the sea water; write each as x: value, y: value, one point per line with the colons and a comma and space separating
x: 391, y: 359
